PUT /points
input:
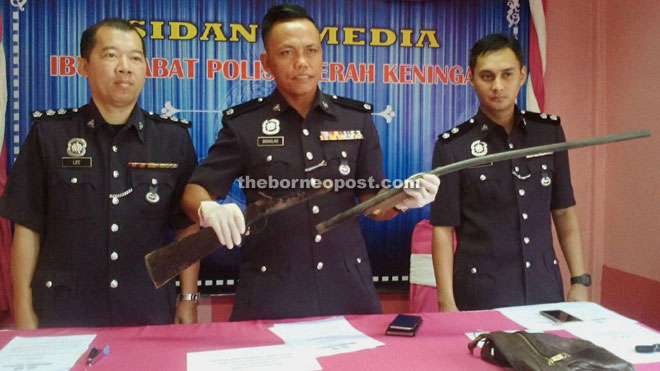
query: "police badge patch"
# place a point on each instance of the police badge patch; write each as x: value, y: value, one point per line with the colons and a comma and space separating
x: 479, y: 148
x: 76, y: 147
x: 270, y: 126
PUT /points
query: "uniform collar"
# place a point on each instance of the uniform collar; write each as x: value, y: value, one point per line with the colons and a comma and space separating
x: 485, y: 125
x: 322, y: 101
x: 93, y: 119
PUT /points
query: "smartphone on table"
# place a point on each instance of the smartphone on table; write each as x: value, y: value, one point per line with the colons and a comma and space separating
x: 404, y: 325
x: 559, y: 316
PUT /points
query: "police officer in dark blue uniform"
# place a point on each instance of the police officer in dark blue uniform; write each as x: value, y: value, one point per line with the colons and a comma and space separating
x: 296, y: 137
x: 92, y: 191
x: 501, y: 212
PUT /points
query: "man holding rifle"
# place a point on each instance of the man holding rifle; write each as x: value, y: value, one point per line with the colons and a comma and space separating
x: 297, y: 133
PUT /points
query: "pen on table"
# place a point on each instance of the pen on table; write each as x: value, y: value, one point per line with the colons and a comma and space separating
x: 95, y: 354
x: 647, y: 348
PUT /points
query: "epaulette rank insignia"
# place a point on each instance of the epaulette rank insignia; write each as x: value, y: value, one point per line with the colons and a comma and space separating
x: 541, y: 117
x: 50, y: 114
x: 353, y: 103
x: 457, y: 130
x: 244, y: 107
x: 169, y: 119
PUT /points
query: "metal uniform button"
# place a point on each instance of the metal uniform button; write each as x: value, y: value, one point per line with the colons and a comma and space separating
x: 544, y: 167
x: 310, y: 156
x: 319, y: 266
x: 318, y: 238
x: 74, y: 180
x: 482, y: 177
x: 358, y: 260
x: 49, y: 284
x: 525, y: 216
x: 305, y: 132
x: 114, y: 227
x: 344, y: 154
x: 115, y: 149
x: 526, y: 240
x: 269, y: 158
x: 114, y: 284
x: 521, y: 192
x: 554, y: 262
x: 114, y: 256
x: 528, y: 264
x: 516, y: 169
x: 115, y: 174
x: 315, y: 209
x: 473, y: 270
x: 263, y: 269
x: 511, y: 145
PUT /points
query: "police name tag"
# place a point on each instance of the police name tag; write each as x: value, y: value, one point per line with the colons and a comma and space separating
x: 76, y: 162
x: 270, y: 141
x: 341, y: 135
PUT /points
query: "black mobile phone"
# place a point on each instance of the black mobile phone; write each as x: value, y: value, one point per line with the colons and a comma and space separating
x: 559, y: 316
x: 404, y: 325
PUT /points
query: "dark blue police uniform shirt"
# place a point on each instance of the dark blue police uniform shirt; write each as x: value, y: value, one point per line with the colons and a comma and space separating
x: 287, y: 269
x: 96, y: 216
x: 502, y: 211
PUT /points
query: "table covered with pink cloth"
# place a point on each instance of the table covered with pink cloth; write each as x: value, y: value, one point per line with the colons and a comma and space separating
x: 440, y: 343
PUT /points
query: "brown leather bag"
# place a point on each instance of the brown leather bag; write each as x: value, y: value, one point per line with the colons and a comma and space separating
x: 525, y: 351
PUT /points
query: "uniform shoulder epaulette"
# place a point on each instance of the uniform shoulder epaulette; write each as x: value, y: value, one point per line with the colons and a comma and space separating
x: 168, y: 119
x: 51, y: 114
x: 243, y: 107
x: 457, y: 131
x: 542, y: 118
x: 363, y: 106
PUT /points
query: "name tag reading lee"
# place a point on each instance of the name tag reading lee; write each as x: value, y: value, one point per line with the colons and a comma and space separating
x: 76, y: 162
x: 270, y: 141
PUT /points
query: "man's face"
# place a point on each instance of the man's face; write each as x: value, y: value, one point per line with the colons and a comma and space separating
x: 497, y: 79
x: 294, y: 57
x: 115, y: 68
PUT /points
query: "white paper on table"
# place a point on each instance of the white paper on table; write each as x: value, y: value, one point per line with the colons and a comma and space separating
x: 326, y: 337
x: 44, y: 352
x: 266, y: 358
x: 528, y: 316
x: 620, y: 338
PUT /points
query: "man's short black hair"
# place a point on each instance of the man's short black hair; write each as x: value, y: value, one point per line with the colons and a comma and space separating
x: 284, y: 12
x: 88, y: 38
x: 493, y: 42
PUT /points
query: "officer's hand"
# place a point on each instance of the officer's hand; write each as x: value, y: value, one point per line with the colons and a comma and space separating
x: 186, y: 312
x: 25, y: 318
x: 420, y: 191
x: 577, y: 292
x: 226, y: 220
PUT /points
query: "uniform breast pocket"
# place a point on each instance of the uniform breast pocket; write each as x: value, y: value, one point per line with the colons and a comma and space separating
x: 484, y: 186
x: 273, y: 165
x: 341, y: 159
x: 74, y: 194
x: 542, y: 170
x: 152, y: 192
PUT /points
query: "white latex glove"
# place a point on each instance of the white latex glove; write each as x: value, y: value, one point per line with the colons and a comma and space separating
x: 226, y: 220
x: 424, y: 193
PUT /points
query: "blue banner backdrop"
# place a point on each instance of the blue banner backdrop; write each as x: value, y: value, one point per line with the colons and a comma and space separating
x: 409, y: 58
